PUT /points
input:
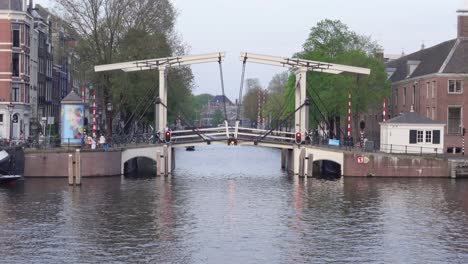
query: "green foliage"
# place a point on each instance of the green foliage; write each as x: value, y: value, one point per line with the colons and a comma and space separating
x: 127, y: 30
x: 250, y: 100
x: 332, y: 41
x: 218, y: 117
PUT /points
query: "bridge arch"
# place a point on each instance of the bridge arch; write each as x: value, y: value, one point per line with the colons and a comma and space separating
x: 132, y: 153
x: 329, y: 155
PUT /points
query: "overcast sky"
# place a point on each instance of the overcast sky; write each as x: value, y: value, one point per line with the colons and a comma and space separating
x: 280, y: 27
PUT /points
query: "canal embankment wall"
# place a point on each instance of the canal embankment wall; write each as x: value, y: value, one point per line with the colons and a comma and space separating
x: 96, y: 163
x: 54, y: 163
x: 386, y: 165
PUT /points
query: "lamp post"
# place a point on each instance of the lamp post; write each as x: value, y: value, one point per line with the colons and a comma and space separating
x: 109, y: 121
x: 11, y: 106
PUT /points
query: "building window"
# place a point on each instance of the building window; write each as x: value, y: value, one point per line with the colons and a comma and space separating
x: 414, y: 95
x: 15, y: 64
x: 1, y: 118
x: 15, y: 92
x: 15, y: 28
x: 420, y: 136
x: 396, y: 96
x: 434, y: 113
x: 428, y: 136
x: 404, y: 96
x: 454, y: 120
x: 433, y: 89
x: 428, y: 112
x: 28, y: 36
x: 455, y: 86
x: 427, y: 90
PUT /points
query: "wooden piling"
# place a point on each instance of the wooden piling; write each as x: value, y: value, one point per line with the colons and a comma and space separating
x: 70, y: 169
x: 78, y: 167
x: 166, y: 161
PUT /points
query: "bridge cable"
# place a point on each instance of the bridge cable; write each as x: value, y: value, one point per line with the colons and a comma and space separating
x: 222, y: 85
x: 241, y: 88
x: 282, y: 122
x: 137, y: 108
x: 187, y: 123
x: 321, y: 113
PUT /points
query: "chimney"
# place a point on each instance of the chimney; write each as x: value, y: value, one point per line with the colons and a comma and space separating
x: 463, y: 20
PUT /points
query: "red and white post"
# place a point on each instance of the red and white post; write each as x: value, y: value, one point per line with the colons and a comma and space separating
x: 384, y: 113
x: 94, y: 114
x: 259, y: 101
x: 349, y: 114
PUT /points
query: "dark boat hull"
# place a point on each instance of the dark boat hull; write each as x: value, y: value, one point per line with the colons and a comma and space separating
x: 9, y: 179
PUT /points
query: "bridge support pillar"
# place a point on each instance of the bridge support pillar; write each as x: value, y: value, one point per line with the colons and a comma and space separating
x: 158, y: 163
x: 310, y: 166
x: 161, y: 111
x: 296, y: 158
x: 284, y: 158
x: 302, y: 115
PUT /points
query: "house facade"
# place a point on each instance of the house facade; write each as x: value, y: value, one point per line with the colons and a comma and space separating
x: 412, y: 133
x: 15, y: 73
x: 434, y: 82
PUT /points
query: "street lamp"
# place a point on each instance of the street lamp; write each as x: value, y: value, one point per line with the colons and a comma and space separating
x: 11, y: 106
x: 109, y: 121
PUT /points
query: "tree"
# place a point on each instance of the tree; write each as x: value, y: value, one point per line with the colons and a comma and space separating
x: 332, y: 41
x: 218, y: 117
x: 333, y: 37
x: 111, y: 31
x: 275, y: 106
x: 250, y: 100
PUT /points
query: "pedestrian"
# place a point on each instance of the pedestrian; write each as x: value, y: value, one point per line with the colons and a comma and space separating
x: 102, y: 141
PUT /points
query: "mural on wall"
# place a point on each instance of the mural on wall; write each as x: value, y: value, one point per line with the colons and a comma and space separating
x: 72, y: 123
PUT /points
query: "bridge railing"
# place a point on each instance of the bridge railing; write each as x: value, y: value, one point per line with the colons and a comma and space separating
x: 258, y: 134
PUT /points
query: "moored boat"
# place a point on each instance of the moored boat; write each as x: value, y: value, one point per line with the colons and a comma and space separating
x: 8, y: 171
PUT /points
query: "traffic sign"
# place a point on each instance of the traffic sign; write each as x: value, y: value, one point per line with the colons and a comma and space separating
x: 362, y: 160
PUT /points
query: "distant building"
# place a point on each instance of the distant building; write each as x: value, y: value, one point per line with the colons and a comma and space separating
x: 433, y: 81
x: 217, y: 104
x: 45, y: 61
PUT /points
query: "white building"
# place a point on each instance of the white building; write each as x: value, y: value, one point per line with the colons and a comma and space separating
x: 412, y: 133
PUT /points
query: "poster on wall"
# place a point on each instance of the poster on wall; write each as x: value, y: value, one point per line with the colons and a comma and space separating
x: 72, y: 123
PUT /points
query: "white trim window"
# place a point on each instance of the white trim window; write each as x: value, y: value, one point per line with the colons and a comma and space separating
x: 427, y: 90
x: 428, y: 136
x: 454, y: 119
x: 455, y: 87
x: 433, y: 89
x: 420, y: 136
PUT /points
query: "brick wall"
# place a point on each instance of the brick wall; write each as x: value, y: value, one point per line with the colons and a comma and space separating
x: 383, y: 165
x: 463, y: 26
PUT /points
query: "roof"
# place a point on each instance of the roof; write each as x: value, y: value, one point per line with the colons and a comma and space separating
x: 459, y: 61
x: 412, y: 118
x: 430, y: 61
x: 72, y: 97
x: 219, y: 99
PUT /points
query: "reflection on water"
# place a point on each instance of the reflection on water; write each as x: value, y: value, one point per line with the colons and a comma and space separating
x: 234, y: 205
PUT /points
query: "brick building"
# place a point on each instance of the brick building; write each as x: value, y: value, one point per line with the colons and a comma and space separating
x: 433, y: 81
x: 15, y: 40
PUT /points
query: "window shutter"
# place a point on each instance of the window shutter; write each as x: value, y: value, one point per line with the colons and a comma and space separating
x: 436, y: 137
x: 413, y: 136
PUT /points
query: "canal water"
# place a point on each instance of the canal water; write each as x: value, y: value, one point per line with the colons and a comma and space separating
x: 234, y: 205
